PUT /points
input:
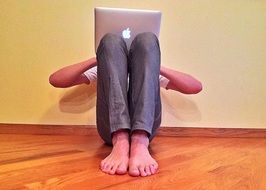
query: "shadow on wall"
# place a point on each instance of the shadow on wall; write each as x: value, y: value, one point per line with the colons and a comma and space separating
x: 83, y: 98
x: 71, y: 107
x: 179, y: 107
x: 79, y: 99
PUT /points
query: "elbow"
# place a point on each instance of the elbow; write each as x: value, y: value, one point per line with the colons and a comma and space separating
x: 186, y: 88
x: 197, y: 88
x: 55, y: 82
x: 192, y: 89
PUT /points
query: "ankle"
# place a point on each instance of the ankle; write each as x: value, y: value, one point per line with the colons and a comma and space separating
x: 140, y: 137
x: 120, y: 136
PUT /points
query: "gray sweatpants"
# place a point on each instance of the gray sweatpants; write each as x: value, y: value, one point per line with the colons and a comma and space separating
x: 133, y: 105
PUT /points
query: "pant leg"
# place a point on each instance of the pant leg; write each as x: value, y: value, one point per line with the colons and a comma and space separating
x: 112, y: 107
x: 144, y: 88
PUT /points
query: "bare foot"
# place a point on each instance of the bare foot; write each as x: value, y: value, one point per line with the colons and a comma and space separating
x: 117, y: 161
x: 141, y: 163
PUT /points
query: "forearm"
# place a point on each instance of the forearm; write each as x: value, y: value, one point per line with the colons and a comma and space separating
x: 181, y: 82
x: 68, y: 75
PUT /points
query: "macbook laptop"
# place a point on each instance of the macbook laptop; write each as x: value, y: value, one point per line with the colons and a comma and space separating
x: 125, y: 22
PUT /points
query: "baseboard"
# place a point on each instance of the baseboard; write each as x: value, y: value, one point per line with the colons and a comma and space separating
x: 42, y: 129
x: 163, y: 131
x: 212, y: 132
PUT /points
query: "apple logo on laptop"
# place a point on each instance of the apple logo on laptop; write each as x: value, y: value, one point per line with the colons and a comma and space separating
x: 126, y: 33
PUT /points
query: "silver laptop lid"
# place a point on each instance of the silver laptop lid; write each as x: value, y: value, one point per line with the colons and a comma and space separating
x: 125, y: 22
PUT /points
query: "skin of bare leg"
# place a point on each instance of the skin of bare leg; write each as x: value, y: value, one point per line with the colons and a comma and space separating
x: 117, y: 161
x: 141, y: 162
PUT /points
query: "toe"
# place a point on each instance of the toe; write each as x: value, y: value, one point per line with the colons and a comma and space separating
x: 107, y: 168
x: 102, y: 165
x: 152, y: 169
x: 142, y: 171
x: 112, y: 170
x: 147, y: 170
x: 121, y: 169
x: 134, y: 172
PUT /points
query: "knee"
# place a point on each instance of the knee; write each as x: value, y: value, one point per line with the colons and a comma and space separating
x: 111, y: 40
x: 146, y: 41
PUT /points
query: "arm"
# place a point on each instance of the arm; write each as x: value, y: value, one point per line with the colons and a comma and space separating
x: 72, y: 75
x: 181, y: 82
